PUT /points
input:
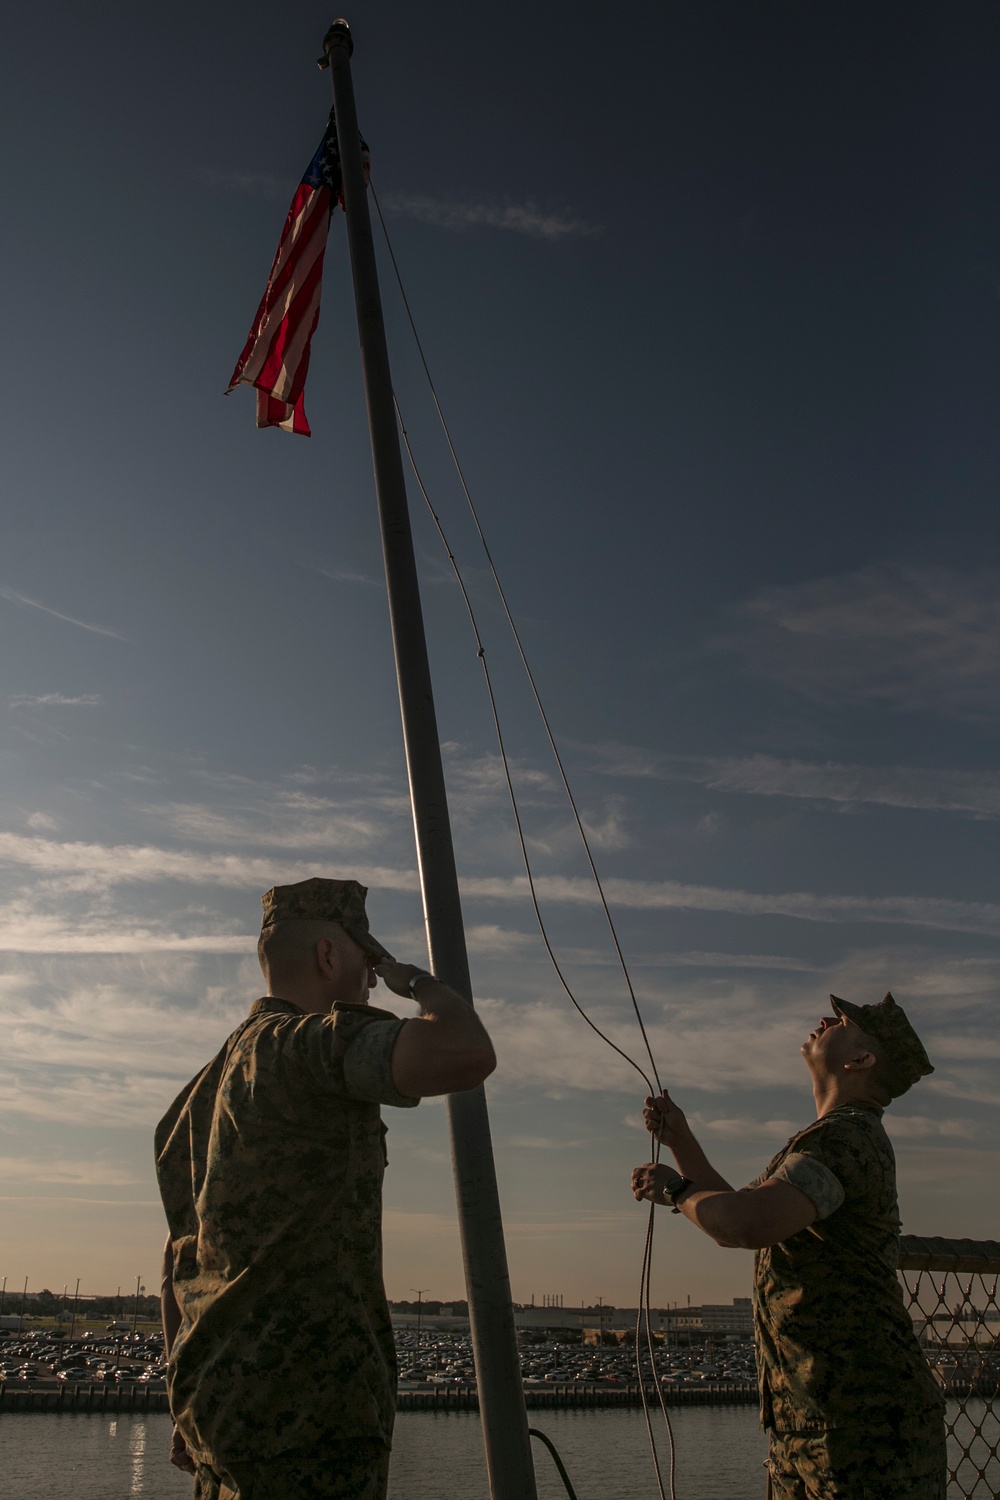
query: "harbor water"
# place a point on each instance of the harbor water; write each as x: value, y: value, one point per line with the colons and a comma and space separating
x: 437, y: 1456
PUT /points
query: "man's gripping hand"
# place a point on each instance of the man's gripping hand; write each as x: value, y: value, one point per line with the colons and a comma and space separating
x: 398, y: 977
x: 652, y: 1181
x: 666, y: 1122
x: 179, y: 1454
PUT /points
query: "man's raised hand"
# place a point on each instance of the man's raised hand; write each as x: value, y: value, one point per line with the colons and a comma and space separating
x: 397, y: 977
x: 665, y: 1121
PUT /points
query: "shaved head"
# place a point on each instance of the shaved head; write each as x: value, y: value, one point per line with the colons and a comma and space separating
x: 287, y: 950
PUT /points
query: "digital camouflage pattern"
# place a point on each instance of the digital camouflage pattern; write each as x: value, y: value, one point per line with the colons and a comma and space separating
x: 319, y: 900
x: 355, y: 1470
x: 835, y: 1344
x: 902, y: 1457
x: 270, y: 1167
x: 887, y: 1023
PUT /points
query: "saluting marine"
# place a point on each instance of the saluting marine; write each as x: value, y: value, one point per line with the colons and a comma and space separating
x: 282, y: 1368
x: 852, y: 1409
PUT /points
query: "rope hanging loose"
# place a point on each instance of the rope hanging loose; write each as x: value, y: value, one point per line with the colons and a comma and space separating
x: 643, y: 1320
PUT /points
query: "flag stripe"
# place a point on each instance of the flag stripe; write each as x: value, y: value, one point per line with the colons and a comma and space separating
x: 280, y: 322
x: 275, y: 358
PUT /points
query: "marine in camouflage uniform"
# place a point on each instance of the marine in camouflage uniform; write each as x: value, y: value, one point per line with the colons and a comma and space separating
x: 852, y: 1408
x: 282, y: 1373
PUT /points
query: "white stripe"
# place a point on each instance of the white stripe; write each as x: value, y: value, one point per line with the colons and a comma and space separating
x: 293, y: 354
x: 275, y: 315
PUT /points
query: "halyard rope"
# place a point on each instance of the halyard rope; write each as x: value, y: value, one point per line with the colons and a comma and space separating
x: 643, y: 1319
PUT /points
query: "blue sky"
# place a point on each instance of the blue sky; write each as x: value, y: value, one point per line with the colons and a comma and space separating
x: 711, y: 295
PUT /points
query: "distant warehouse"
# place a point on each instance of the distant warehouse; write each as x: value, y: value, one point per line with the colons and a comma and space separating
x: 710, y: 1320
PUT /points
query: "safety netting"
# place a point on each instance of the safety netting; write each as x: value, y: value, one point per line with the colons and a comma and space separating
x: 950, y: 1288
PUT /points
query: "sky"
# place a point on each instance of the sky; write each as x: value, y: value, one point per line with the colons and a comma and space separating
x: 710, y: 291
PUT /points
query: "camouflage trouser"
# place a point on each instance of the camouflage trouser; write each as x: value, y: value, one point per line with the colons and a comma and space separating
x: 354, y: 1469
x: 900, y: 1461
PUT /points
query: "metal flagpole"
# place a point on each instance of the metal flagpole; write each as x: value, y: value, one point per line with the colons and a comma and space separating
x: 501, y: 1398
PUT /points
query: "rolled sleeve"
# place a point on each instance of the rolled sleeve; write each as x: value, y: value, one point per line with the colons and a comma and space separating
x: 819, y: 1184
x: 368, y: 1065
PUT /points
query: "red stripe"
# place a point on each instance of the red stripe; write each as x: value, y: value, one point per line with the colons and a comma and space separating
x: 275, y: 357
x: 285, y: 335
x: 310, y: 207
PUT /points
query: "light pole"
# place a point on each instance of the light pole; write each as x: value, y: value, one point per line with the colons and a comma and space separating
x: 420, y: 1290
x: 135, y: 1315
x: 24, y: 1299
x: 76, y: 1297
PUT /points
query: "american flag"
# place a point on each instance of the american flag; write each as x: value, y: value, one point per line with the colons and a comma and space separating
x: 276, y: 357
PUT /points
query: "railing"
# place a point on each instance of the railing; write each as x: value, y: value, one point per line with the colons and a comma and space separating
x: 951, y: 1292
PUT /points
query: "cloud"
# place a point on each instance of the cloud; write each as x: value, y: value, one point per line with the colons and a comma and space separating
x: 777, y: 1131
x: 56, y: 700
x: 99, y: 867
x: 460, y: 217
x: 286, y: 820
x: 541, y: 1143
x: 922, y: 788
x: 923, y: 639
x: 42, y: 821
x: 252, y: 184
x: 713, y: 1043
x: 923, y: 1127
x: 79, y: 1173
x: 344, y: 575
x: 81, y: 1049
x: 22, y: 599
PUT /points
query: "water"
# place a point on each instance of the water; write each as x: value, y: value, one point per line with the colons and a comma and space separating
x: 437, y: 1456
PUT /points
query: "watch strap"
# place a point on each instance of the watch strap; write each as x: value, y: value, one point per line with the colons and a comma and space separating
x: 675, y: 1191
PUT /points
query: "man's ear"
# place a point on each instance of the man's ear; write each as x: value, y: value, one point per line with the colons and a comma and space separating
x: 324, y: 958
x: 861, y: 1062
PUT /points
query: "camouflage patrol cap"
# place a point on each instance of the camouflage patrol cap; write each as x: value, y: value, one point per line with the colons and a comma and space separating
x: 319, y: 900
x: 886, y: 1023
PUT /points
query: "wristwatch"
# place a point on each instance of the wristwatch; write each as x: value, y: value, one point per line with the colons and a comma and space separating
x: 416, y: 978
x: 675, y: 1189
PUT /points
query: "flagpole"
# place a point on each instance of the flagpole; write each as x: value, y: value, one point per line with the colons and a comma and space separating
x: 501, y: 1398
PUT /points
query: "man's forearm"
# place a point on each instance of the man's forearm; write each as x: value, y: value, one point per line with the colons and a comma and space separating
x: 721, y: 1214
x: 443, y: 1050
x: 455, y: 1019
x: 752, y: 1218
x: 692, y: 1162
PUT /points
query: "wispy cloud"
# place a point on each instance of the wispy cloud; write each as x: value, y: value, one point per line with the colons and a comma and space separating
x: 101, y: 867
x: 345, y: 575
x: 462, y: 216
x: 927, y: 1127
x: 15, y: 598
x: 921, y: 788
x: 55, y: 700
x: 745, y: 1129
x: 79, y: 1173
x: 249, y: 184
x: 924, y: 639
x: 86, y: 1051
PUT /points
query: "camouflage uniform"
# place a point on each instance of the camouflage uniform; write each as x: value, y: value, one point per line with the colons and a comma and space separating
x: 853, y: 1410
x: 354, y: 1470
x: 270, y: 1167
